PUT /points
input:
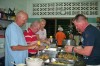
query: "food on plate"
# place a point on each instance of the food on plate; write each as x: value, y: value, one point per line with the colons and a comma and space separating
x: 67, y: 56
x: 59, y: 63
x: 44, y: 56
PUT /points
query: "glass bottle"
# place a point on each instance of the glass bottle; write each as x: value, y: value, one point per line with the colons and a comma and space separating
x: 51, y: 39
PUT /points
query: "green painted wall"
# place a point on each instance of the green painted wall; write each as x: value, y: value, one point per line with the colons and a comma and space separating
x: 92, y: 20
x: 30, y: 20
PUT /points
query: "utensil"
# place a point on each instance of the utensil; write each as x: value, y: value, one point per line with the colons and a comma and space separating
x: 14, y: 63
x: 21, y: 64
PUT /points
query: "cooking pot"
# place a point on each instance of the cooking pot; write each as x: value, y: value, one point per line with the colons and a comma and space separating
x: 70, y: 42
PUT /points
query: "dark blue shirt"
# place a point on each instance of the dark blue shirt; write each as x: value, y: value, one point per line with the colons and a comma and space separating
x: 91, y: 37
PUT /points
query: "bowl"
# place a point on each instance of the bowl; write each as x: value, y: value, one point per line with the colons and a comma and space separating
x: 22, y: 64
x: 47, y: 61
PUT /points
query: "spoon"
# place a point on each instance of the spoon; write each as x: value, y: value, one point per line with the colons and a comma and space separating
x: 13, y: 63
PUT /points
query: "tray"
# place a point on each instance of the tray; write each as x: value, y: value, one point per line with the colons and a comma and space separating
x: 58, y: 62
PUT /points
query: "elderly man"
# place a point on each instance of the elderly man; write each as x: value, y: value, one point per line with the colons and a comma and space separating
x: 31, y: 37
x: 91, y: 41
x: 15, y: 44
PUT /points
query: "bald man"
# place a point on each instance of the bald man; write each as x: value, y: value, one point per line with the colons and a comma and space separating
x: 15, y: 44
x: 30, y: 36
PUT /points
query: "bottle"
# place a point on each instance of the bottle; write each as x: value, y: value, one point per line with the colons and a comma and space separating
x: 47, y: 47
x: 51, y: 39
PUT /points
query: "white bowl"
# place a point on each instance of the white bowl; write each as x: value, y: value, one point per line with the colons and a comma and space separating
x: 22, y: 64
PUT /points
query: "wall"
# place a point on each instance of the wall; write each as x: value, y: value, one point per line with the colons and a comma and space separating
x: 92, y: 21
x: 48, y: 1
x: 29, y: 7
x: 17, y: 4
x: 26, y: 6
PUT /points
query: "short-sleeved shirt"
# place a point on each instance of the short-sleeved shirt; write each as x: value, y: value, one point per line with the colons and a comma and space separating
x: 60, y: 36
x: 14, y: 37
x: 91, y: 37
x: 30, y: 37
x: 42, y: 34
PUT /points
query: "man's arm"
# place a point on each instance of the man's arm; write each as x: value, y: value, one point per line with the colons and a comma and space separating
x: 19, y: 47
x: 84, y: 51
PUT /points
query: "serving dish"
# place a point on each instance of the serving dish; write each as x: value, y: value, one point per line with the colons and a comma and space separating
x: 59, y: 62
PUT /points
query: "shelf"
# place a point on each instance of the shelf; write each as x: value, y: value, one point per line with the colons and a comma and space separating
x: 6, y: 20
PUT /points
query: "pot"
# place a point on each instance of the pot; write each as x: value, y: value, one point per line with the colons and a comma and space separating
x: 70, y: 42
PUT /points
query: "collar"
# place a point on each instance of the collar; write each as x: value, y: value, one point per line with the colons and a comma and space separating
x: 30, y: 31
x: 86, y: 29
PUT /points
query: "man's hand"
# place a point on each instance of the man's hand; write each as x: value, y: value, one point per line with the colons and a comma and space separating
x: 41, y: 47
x: 79, y: 47
x: 68, y: 49
x: 33, y: 46
x: 47, y: 42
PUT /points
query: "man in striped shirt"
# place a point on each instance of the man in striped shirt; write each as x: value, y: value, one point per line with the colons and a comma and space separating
x: 31, y: 37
